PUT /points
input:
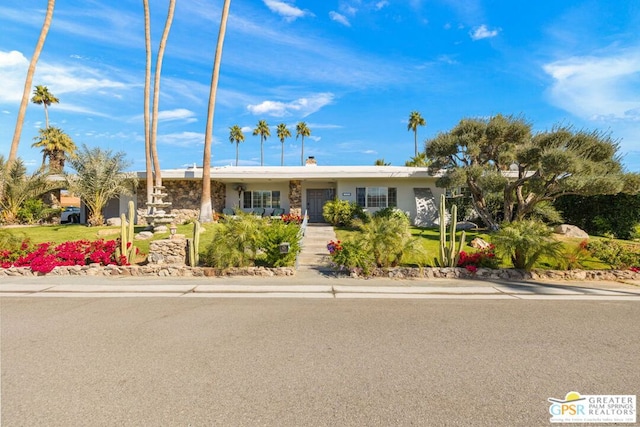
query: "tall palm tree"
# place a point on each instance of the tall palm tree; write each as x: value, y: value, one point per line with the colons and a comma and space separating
x: 302, y: 130
x: 156, y: 93
x: 99, y: 178
x: 41, y: 95
x: 381, y: 162
x: 147, y: 102
x: 15, y: 142
x: 420, y: 160
x: 236, y: 135
x: 56, y: 145
x: 262, y: 129
x: 283, y: 133
x: 206, y: 211
x: 415, y: 120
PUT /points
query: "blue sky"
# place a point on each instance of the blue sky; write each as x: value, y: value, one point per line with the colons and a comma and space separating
x: 352, y: 70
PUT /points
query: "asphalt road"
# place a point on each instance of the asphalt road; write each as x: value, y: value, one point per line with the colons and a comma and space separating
x: 308, y: 362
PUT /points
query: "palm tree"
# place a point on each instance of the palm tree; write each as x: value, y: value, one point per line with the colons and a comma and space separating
x: 18, y: 187
x: 56, y: 145
x: 302, y: 130
x: 156, y: 93
x: 147, y: 97
x: 41, y: 95
x: 415, y: 120
x: 27, y: 84
x: 262, y: 129
x: 206, y: 211
x: 236, y: 135
x: 381, y: 162
x: 283, y: 133
x: 418, y: 161
x: 99, y: 178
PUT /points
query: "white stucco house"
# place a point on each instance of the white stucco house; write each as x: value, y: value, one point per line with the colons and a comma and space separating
x: 300, y: 189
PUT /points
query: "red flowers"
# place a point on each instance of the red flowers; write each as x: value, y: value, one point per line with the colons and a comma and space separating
x: 483, y: 258
x: 44, y: 258
x: 333, y: 247
x: 291, y: 219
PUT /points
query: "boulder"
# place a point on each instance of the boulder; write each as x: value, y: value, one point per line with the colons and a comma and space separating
x: 144, y: 235
x: 114, y: 222
x: 466, y: 225
x: 571, y: 231
x: 479, y: 243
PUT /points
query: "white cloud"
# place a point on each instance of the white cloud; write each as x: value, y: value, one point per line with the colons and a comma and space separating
x: 597, y: 88
x: 482, y: 32
x: 177, y: 114
x: 340, y: 19
x: 300, y: 107
x: 13, y: 69
x: 381, y: 4
x: 182, y: 139
x: 287, y: 11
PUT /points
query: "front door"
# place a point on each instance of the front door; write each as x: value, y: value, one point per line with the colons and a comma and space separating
x: 316, y: 198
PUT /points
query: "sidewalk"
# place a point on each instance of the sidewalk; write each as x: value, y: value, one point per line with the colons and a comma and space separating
x: 313, y: 279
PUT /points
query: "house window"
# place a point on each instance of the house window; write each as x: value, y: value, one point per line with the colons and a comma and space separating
x: 262, y: 199
x: 377, y: 197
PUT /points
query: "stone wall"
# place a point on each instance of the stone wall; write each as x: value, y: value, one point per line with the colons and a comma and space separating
x: 168, y: 252
x: 295, y: 197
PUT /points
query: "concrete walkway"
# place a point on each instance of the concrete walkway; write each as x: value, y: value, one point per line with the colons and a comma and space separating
x: 313, y: 260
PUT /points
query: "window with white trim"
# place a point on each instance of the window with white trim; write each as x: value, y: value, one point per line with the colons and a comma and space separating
x: 261, y: 199
x: 377, y: 197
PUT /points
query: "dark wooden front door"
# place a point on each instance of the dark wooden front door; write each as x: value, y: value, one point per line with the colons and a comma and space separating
x: 316, y: 198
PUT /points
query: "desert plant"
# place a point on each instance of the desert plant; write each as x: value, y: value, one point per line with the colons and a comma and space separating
x: 235, y: 242
x: 388, y: 239
x: 524, y: 242
x: 274, y: 234
x: 194, y: 245
x: 614, y: 253
x: 449, y: 255
x: 127, y: 249
x: 342, y: 212
x: 351, y: 255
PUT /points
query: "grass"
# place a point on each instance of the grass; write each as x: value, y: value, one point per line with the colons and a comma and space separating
x: 60, y: 233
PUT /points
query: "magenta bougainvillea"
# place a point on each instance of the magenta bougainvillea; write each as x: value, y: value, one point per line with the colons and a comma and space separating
x: 485, y: 258
x: 44, y: 257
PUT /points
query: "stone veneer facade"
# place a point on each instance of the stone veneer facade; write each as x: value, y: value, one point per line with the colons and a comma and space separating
x: 295, y: 197
x: 184, y: 196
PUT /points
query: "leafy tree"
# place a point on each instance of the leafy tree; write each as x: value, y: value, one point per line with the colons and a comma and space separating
x: 388, y: 238
x: 41, y: 95
x: 283, y: 133
x: 499, y: 155
x: 236, y: 135
x: 415, y: 120
x: 15, y: 142
x: 418, y: 161
x: 99, y: 178
x: 19, y: 187
x: 381, y: 162
x: 206, y: 210
x: 302, y: 130
x: 524, y: 242
x: 56, y: 145
x: 262, y: 129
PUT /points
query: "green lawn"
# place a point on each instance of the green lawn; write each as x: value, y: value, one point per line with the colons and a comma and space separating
x: 70, y: 232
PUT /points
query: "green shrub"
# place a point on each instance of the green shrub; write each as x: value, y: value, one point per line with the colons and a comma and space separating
x: 272, y: 235
x: 342, y: 213
x: 35, y: 210
x: 614, y: 253
x: 524, y: 242
x: 235, y: 242
x: 353, y: 255
x: 390, y: 212
x: 388, y: 238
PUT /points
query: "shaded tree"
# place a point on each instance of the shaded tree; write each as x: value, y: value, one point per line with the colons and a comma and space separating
x: 262, y: 129
x: 41, y: 95
x: 415, y: 120
x: 56, y: 145
x: 100, y: 176
x: 283, y: 133
x: 15, y: 142
x: 236, y: 135
x: 301, y: 131
x: 206, y: 211
x: 500, y: 155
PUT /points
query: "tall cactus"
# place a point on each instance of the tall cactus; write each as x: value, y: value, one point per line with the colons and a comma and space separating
x: 449, y: 255
x: 194, y: 244
x: 126, y: 234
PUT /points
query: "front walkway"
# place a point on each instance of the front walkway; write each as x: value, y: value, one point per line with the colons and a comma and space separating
x: 313, y: 260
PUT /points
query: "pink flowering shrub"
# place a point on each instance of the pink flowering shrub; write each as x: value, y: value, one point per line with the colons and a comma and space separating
x: 484, y: 258
x: 44, y: 257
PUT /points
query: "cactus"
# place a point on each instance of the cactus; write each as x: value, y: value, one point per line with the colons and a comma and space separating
x: 194, y: 244
x: 126, y: 234
x: 449, y: 254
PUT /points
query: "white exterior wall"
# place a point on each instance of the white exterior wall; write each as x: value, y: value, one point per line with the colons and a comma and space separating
x: 233, y: 201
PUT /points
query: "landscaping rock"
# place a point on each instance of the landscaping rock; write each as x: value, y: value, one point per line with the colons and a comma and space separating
x: 466, y: 225
x: 144, y: 235
x: 571, y: 231
x: 479, y: 243
x: 108, y: 232
x: 111, y: 222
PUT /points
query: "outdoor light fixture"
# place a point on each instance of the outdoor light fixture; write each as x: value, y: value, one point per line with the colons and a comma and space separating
x: 172, y: 229
x: 284, y: 247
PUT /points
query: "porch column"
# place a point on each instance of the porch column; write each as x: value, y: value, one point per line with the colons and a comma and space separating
x: 218, y: 192
x: 295, y: 197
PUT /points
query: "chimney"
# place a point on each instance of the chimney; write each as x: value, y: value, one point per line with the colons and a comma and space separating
x: 311, y: 161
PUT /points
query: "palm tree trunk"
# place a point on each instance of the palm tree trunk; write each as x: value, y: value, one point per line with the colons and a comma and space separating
x: 415, y: 141
x: 261, y: 151
x: 147, y: 84
x: 237, y: 144
x: 282, y: 155
x: 206, y: 211
x: 302, y: 153
x: 13, y: 153
x: 156, y: 92
x: 46, y: 116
